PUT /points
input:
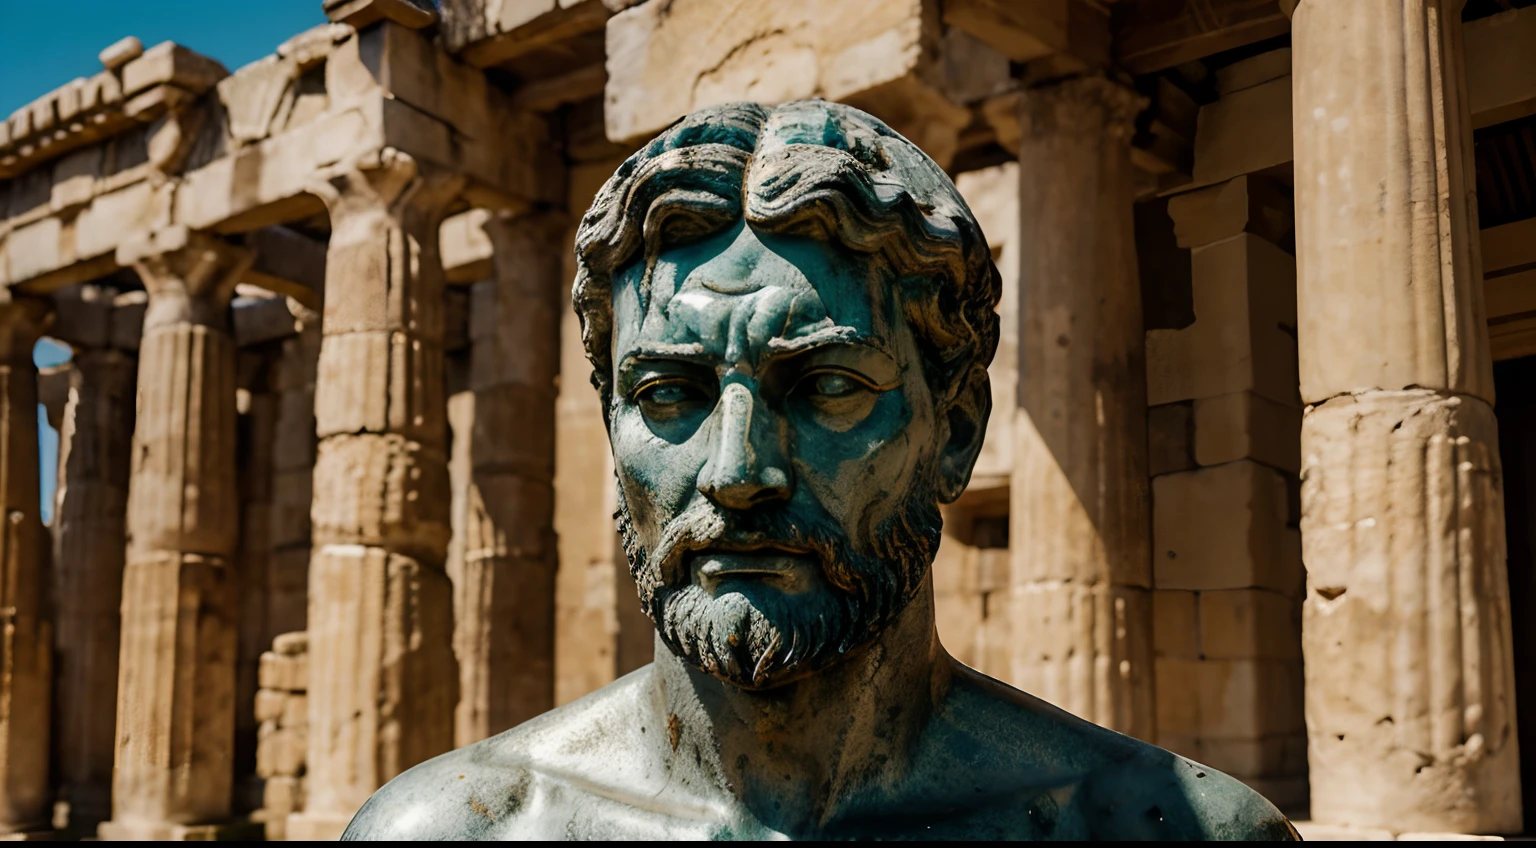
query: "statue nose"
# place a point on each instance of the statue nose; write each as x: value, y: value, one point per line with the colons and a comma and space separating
x: 746, y: 465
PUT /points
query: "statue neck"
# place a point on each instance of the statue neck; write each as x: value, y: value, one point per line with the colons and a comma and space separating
x: 798, y: 755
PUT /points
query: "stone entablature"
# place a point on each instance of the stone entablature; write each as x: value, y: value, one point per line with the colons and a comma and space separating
x: 138, y: 86
x: 243, y: 152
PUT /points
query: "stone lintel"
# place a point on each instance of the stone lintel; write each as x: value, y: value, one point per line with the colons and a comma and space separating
x: 667, y: 60
x: 466, y: 249
x: 440, y: 110
x: 257, y: 320
x: 1501, y: 66
x: 489, y: 34
x: 288, y: 263
x: 1152, y: 36
x: 1075, y: 31
x: 1249, y: 129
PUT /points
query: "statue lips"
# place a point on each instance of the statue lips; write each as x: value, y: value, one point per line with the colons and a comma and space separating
x: 789, y: 567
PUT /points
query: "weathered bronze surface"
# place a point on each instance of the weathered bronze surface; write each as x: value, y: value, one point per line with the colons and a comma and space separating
x: 790, y: 313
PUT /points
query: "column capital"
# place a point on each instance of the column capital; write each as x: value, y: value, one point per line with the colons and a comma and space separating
x: 190, y: 276
x: 23, y: 320
x: 388, y: 180
x: 1086, y: 105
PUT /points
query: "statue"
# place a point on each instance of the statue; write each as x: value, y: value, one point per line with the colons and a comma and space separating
x: 790, y: 312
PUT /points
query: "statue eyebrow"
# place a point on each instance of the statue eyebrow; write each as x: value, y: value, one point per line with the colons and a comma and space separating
x: 689, y: 352
x: 829, y: 335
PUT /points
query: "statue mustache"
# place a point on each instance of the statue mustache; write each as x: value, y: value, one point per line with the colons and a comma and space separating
x: 703, y: 525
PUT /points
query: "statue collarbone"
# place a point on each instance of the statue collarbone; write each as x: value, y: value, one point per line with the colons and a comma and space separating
x: 789, y: 314
x: 599, y: 768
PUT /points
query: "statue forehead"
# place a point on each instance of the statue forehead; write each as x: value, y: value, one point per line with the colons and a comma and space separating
x: 747, y: 286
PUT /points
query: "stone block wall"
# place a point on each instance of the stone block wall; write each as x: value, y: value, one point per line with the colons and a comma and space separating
x: 1224, y: 424
x: 282, y: 708
x: 970, y: 583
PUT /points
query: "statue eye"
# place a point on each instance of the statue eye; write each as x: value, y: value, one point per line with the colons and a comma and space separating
x: 837, y: 399
x: 833, y: 385
x: 665, y: 393
x: 663, y: 400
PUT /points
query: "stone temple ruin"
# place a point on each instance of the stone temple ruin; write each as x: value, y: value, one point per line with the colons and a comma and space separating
x: 335, y: 494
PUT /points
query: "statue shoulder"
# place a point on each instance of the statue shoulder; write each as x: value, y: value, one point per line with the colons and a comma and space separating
x: 461, y: 795
x: 481, y: 791
x: 1160, y: 795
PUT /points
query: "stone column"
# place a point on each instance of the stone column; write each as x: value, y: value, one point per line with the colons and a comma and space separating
x: 257, y: 406
x: 504, y: 597
x: 90, y: 537
x: 26, y: 651
x: 176, y: 677
x: 293, y: 470
x: 1079, y: 538
x: 383, y: 680
x: 1406, y: 632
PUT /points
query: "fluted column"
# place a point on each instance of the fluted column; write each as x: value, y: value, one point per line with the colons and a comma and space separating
x: 504, y: 593
x: 256, y: 425
x: 293, y: 469
x: 1409, y: 673
x: 176, y: 674
x: 90, y: 536
x: 383, y: 680
x: 26, y: 653
x: 1081, y: 566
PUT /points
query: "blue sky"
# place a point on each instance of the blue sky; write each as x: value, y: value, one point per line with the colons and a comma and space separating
x: 46, y: 43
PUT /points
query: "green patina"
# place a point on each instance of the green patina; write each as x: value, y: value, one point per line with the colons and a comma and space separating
x: 790, y: 313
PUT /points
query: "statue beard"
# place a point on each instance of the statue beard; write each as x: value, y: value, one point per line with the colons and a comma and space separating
x: 757, y: 636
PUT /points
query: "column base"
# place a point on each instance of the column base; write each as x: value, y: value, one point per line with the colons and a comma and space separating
x: 240, y: 831
x: 316, y: 827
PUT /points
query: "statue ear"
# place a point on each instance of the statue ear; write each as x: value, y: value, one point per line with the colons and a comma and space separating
x: 965, y: 427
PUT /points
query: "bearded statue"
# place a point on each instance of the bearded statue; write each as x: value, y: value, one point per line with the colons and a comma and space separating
x: 789, y: 313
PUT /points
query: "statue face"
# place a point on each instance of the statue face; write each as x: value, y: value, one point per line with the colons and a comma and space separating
x: 774, y: 437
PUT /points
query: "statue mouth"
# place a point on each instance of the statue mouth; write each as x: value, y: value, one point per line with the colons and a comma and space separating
x: 716, y: 566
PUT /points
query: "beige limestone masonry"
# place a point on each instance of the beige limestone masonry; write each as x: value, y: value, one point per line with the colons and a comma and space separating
x: 90, y: 538
x: 1407, y: 609
x: 1224, y: 441
x: 293, y: 375
x: 282, y: 708
x: 1407, y: 606
x: 256, y: 423
x: 668, y: 59
x: 175, y: 732
x: 380, y: 604
x: 1079, y: 603
x: 600, y: 631
x: 26, y: 664
x: 504, y: 593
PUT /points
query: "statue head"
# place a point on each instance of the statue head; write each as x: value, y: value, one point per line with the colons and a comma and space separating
x: 789, y: 313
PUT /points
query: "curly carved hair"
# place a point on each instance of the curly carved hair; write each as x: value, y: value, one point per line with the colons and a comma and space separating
x: 810, y: 168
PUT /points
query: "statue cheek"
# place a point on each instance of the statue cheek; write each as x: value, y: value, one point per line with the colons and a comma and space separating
x: 658, y: 477
x: 870, y: 462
